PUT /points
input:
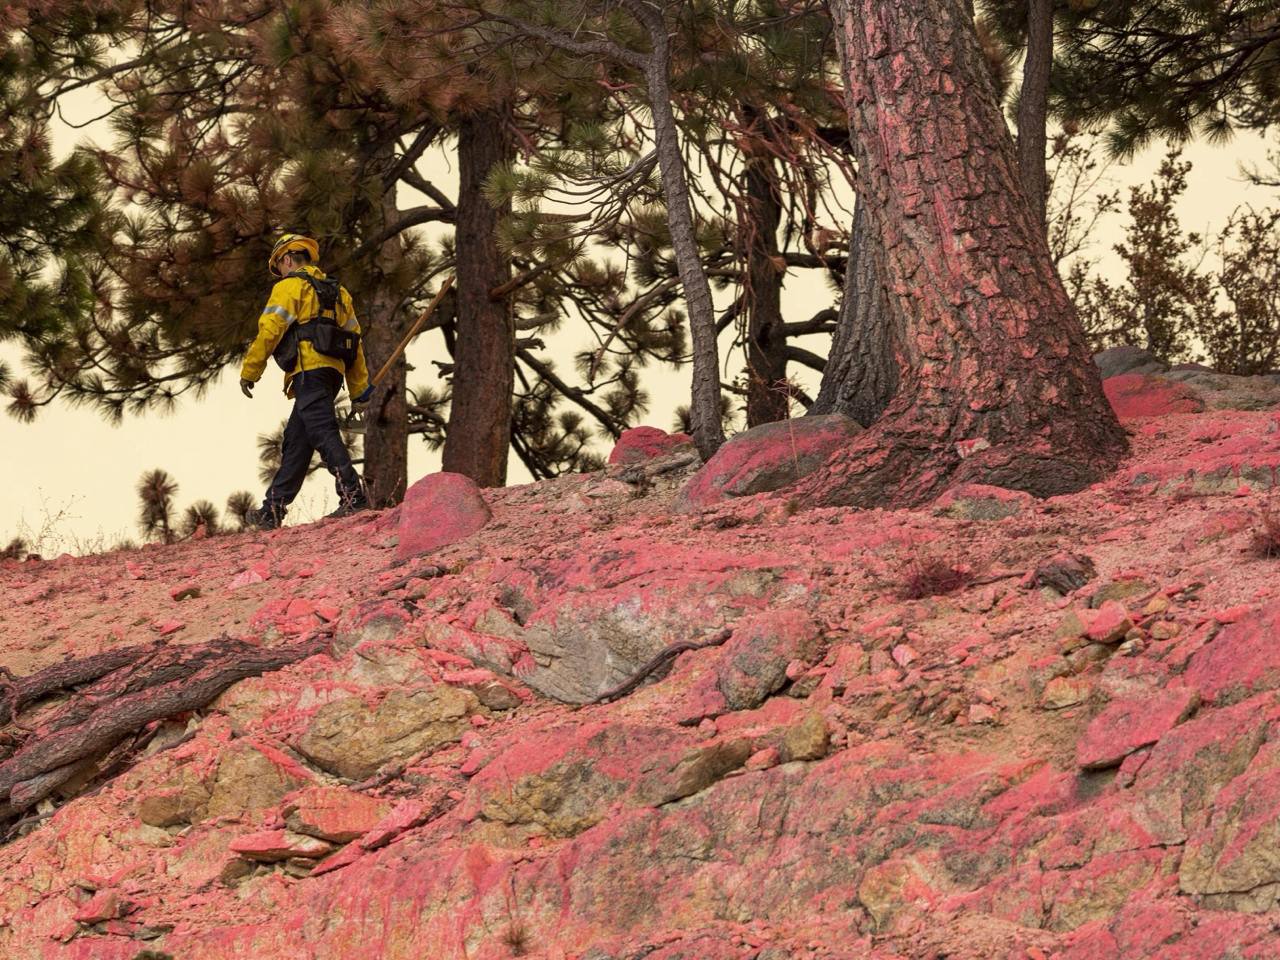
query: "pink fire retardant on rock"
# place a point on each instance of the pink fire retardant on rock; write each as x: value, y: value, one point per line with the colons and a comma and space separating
x: 1126, y: 725
x: 1140, y: 395
x: 644, y: 443
x: 1242, y: 660
x: 767, y: 457
x: 438, y: 510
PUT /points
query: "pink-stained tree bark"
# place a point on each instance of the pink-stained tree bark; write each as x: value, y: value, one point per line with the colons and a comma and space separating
x: 997, y: 385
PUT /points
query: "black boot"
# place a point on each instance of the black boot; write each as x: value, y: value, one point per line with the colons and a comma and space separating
x: 349, y: 504
x: 269, y: 516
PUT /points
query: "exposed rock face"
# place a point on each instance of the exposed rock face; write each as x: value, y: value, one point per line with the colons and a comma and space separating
x: 644, y: 443
x: 440, y: 509
x: 1072, y: 757
x: 1145, y: 392
x: 767, y: 457
x: 1244, y: 659
x: 1223, y: 392
x: 333, y: 813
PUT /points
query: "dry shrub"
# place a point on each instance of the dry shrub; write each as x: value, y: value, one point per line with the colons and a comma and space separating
x: 517, y: 938
x: 1266, y: 537
x: 932, y: 577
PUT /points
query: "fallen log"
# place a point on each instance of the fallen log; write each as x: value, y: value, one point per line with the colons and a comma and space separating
x: 151, y: 668
x: 17, y: 692
x: 122, y: 703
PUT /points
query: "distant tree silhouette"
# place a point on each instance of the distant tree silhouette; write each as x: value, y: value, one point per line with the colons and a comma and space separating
x: 156, y: 490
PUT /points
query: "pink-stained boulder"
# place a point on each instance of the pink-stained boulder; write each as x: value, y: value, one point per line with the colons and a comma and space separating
x: 1126, y: 725
x: 1242, y: 660
x: 1109, y: 623
x: 1140, y: 395
x: 767, y: 457
x: 440, y: 509
x: 754, y: 662
x: 644, y: 443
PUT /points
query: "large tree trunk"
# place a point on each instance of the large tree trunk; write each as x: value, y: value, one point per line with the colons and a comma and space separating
x: 386, y: 422
x: 704, y: 408
x: 861, y: 375
x: 478, y: 438
x: 766, y: 336
x: 1033, y: 104
x: 997, y: 385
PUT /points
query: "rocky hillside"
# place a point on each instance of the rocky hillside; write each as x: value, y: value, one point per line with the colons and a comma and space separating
x: 997, y: 728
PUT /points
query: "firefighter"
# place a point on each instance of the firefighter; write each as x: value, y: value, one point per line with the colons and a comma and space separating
x: 309, y: 328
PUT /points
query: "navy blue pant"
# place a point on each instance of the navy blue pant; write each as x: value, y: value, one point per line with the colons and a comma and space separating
x: 313, y: 428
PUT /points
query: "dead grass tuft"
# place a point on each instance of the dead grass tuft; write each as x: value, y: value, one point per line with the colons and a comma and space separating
x: 1266, y: 536
x: 932, y: 577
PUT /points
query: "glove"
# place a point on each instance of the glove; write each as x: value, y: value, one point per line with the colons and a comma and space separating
x: 246, y: 387
x: 364, y: 397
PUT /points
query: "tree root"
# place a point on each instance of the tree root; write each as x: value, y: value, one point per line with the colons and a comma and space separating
x: 425, y: 573
x: 105, y: 724
x: 664, y: 656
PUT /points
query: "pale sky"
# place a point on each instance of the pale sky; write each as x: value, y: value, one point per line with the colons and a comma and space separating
x: 75, y: 474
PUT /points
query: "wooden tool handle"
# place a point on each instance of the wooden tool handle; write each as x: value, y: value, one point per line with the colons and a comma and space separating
x: 417, y: 325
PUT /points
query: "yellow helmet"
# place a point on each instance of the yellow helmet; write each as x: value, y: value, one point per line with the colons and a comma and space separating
x: 288, y: 244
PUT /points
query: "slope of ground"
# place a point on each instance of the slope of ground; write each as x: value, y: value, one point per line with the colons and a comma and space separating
x: 1073, y: 753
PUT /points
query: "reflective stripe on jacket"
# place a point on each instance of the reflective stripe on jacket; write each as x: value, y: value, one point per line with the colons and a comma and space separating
x: 293, y: 298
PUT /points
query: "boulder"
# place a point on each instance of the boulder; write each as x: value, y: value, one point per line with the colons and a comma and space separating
x: 978, y: 501
x: 1140, y: 395
x: 352, y: 739
x: 1220, y: 391
x: 1115, y: 361
x: 767, y: 457
x: 754, y: 662
x: 272, y: 846
x: 440, y: 509
x: 644, y: 443
x: 1242, y: 660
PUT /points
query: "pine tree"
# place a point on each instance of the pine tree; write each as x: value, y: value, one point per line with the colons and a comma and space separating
x: 51, y: 216
x: 156, y: 490
x: 1168, y: 69
x: 238, y: 506
x: 757, y: 101
x: 200, y: 519
x: 637, y: 48
x: 997, y: 384
x: 1164, y: 300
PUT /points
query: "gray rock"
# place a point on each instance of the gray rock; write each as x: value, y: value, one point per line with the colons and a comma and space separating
x: 1114, y: 361
x: 1223, y: 391
x: 754, y: 664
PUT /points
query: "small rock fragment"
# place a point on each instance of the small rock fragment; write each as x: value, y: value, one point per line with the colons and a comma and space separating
x: 1063, y: 692
x: 1110, y: 623
x: 272, y: 846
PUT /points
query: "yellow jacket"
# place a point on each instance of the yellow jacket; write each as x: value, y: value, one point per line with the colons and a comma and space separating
x: 293, y: 298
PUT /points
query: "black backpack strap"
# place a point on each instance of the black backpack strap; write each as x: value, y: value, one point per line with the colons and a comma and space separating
x: 327, y: 292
